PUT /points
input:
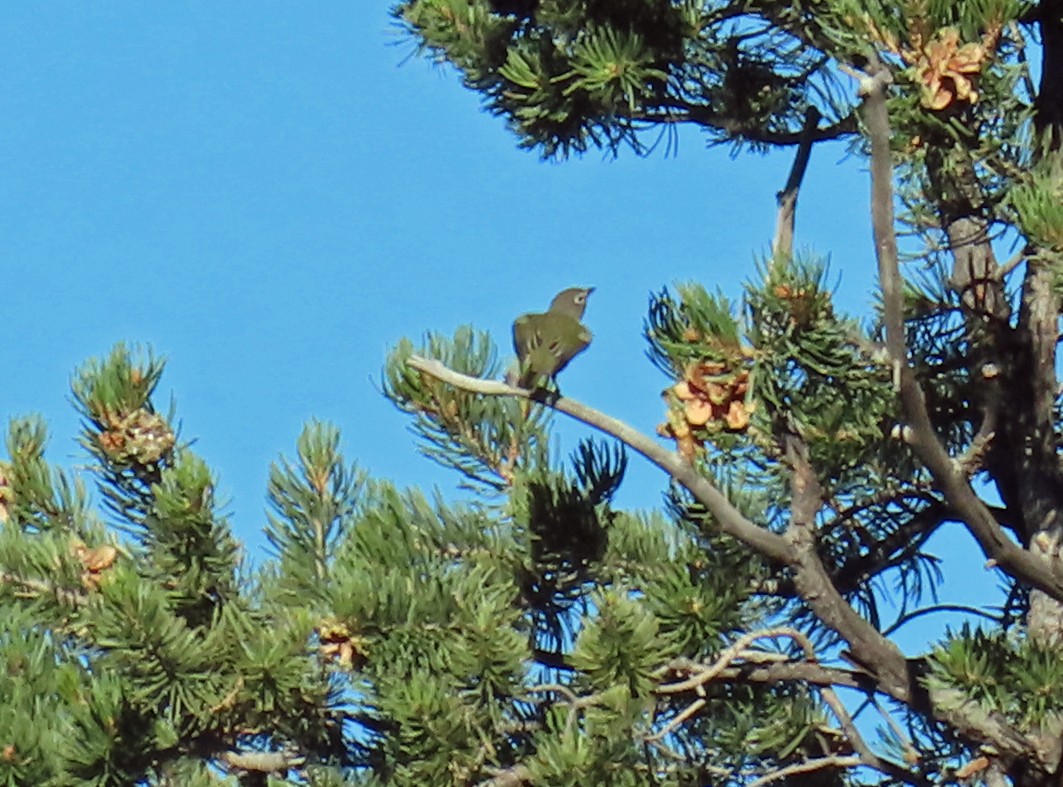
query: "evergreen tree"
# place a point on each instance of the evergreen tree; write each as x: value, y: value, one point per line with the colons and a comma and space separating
x: 821, y: 450
x: 537, y: 633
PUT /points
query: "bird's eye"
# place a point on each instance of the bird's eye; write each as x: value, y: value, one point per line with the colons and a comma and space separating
x: 581, y: 298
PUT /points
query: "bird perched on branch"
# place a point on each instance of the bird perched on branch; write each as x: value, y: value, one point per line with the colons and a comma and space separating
x: 546, y: 342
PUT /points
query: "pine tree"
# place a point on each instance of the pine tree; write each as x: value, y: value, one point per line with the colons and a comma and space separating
x: 820, y: 450
x: 536, y: 632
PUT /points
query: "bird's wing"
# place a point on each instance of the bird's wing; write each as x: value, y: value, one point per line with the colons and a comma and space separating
x: 525, y: 335
x: 527, y: 338
x: 545, y: 343
x: 572, y: 340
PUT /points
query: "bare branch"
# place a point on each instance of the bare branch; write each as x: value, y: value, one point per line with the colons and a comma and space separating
x: 705, y: 674
x: 883, y: 658
x: 867, y: 757
x: 510, y: 777
x: 808, y: 766
x: 802, y: 671
x: 681, y: 717
x: 783, y: 245
x: 807, y: 499
x: 260, y: 761
x: 729, y: 518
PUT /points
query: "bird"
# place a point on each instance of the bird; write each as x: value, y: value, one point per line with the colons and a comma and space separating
x: 545, y: 343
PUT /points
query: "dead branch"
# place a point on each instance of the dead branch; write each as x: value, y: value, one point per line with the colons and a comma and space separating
x: 808, y: 766
x: 260, y: 761
x: 704, y: 674
x: 783, y: 245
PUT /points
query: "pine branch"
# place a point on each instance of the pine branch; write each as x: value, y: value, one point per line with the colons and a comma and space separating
x: 704, y: 674
x: 892, y: 673
x: 36, y: 588
x: 678, y: 111
x: 742, y: 662
x: 811, y: 579
x: 949, y: 474
x: 729, y: 518
x: 883, y: 553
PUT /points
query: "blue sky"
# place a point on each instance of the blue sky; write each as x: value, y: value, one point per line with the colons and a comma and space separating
x: 271, y: 194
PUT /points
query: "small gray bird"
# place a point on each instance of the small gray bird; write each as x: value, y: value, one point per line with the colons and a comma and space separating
x: 546, y: 342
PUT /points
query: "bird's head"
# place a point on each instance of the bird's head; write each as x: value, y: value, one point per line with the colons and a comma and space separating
x: 571, y: 301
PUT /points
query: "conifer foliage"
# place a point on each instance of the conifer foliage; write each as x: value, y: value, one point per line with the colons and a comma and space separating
x: 534, y: 632
x: 821, y: 449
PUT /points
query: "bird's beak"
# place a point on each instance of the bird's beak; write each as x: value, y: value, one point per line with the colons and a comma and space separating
x: 590, y: 290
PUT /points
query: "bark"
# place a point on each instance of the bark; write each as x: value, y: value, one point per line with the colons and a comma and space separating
x: 1042, y: 498
x: 1049, y: 118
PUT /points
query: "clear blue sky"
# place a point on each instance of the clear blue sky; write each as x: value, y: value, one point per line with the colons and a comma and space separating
x: 270, y: 194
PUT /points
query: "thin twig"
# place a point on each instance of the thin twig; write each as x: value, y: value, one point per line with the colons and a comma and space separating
x: 918, y: 613
x: 808, y: 766
x: 705, y: 674
x: 898, y: 732
x: 554, y: 688
x: 575, y: 703
x: 863, y: 751
x: 681, y: 717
